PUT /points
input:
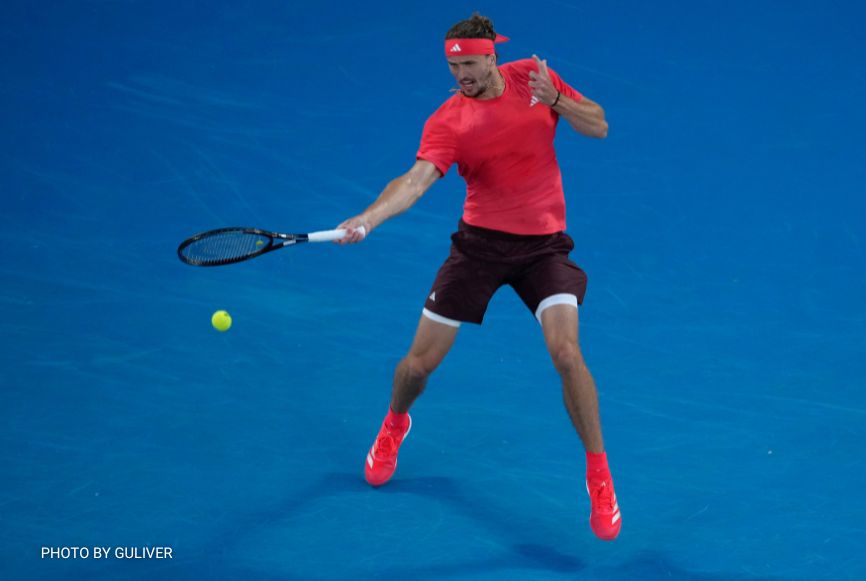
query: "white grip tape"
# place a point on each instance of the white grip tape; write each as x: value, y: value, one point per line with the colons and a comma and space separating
x: 329, y: 235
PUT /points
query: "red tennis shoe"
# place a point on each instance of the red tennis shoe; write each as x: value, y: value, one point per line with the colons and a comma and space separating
x: 382, y: 458
x: 605, y: 519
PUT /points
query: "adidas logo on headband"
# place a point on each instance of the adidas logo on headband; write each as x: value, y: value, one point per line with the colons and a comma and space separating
x: 456, y: 48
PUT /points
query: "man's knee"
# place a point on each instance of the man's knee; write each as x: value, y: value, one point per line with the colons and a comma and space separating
x: 566, y: 356
x: 420, y: 366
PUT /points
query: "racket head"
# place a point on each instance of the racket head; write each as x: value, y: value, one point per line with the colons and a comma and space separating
x: 229, y: 245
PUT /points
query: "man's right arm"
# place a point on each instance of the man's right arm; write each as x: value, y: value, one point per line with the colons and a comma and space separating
x: 397, y: 197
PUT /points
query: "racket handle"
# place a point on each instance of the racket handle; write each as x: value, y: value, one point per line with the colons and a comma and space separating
x: 329, y: 235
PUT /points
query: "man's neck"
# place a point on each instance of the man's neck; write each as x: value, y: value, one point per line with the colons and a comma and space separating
x: 495, y: 88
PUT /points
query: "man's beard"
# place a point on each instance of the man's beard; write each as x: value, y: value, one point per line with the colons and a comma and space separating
x: 478, y: 88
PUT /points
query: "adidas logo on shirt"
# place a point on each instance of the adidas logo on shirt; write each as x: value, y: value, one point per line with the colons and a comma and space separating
x: 534, y: 101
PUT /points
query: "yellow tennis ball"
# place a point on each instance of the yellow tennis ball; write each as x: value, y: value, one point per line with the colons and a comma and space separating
x: 221, y: 321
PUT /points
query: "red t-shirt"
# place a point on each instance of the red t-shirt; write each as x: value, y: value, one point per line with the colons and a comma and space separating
x: 503, y: 148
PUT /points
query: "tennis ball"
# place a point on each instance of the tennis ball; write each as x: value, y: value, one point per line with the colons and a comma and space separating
x: 221, y: 321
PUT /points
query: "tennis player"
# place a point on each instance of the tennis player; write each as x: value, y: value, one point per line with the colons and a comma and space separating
x: 498, y: 128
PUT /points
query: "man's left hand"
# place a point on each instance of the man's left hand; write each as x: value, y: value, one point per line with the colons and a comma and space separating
x: 541, y: 84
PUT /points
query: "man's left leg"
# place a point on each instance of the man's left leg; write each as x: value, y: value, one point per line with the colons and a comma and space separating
x: 560, y: 325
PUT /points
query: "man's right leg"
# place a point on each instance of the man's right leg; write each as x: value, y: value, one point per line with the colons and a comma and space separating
x: 433, y: 340
x: 461, y: 291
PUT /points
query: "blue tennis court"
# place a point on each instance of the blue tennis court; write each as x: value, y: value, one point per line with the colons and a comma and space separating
x: 721, y: 225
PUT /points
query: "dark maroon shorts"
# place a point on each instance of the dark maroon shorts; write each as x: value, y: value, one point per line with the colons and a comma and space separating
x: 482, y: 260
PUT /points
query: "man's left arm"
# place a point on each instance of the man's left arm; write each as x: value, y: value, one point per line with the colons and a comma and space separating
x: 584, y: 115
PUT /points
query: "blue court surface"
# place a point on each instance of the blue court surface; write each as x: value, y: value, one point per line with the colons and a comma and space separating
x: 721, y: 224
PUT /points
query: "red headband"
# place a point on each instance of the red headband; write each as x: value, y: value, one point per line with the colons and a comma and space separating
x: 464, y: 46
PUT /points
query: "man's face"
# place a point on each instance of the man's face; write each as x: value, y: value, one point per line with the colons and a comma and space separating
x: 474, y: 73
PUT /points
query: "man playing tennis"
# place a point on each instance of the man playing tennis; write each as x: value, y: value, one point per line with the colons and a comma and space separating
x: 499, y: 130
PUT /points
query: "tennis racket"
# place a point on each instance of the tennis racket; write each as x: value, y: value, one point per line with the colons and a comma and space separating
x: 231, y: 245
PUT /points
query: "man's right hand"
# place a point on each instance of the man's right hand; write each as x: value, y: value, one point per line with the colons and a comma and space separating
x: 354, y: 231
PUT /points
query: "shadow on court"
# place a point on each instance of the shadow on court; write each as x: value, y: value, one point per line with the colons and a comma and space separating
x: 525, y: 543
x: 500, y: 521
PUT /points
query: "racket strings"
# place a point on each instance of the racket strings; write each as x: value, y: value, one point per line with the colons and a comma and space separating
x: 221, y: 247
